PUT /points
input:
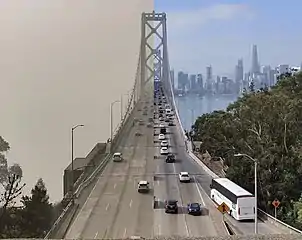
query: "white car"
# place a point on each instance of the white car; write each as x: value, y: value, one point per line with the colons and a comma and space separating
x: 161, y: 137
x: 164, y: 143
x: 184, y: 177
x: 164, y: 151
x: 161, y: 125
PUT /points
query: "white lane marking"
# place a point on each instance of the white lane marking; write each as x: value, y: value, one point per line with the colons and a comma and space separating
x: 187, y: 229
x: 186, y: 225
x: 107, y: 206
x: 125, y: 232
x: 157, y: 169
x: 96, y: 235
x: 198, y: 190
x: 130, y: 204
x: 159, y: 230
x: 157, y: 182
x: 114, y: 186
x: 174, y: 169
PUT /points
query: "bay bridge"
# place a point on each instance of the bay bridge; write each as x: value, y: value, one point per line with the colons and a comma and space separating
x: 106, y: 205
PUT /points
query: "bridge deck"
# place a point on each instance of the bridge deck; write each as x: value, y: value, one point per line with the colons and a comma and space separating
x: 114, y: 208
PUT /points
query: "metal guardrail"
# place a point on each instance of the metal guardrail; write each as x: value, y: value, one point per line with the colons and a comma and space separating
x: 279, y: 224
x: 81, y: 184
x: 77, y: 193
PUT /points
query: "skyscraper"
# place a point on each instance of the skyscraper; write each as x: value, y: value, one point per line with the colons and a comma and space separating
x: 239, y: 71
x: 199, y: 83
x: 193, y: 82
x: 209, y: 73
x: 172, y: 75
x: 255, y: 63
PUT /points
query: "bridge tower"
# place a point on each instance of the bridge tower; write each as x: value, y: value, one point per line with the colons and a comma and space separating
x: 154, y: 50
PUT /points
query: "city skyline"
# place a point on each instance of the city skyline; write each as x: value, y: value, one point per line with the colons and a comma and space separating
x: 262, y: 76
x: 218, y: 33
x: 254, y: 67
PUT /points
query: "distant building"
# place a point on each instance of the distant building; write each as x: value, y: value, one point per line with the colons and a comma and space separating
x: 172, y: 79
x: 255, y: 62
x: 209, y: 75
x: 182, y: 79
x: 283, y: 68
x: 200, y: 83
x: 193, y: 84
x: 239, y: 71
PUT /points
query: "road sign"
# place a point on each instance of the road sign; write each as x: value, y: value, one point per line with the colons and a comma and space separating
x: 276, y: 203
x: 223, y: 208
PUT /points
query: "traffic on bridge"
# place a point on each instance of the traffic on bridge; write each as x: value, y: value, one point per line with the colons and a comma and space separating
x: 153, y: 185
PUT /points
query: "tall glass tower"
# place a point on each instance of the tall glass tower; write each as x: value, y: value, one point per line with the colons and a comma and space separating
x: 255, y: 63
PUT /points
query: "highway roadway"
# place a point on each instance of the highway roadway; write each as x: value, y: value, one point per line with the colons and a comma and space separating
x: 203, y: 180
x: 114, y: 208
x: 167, y: 186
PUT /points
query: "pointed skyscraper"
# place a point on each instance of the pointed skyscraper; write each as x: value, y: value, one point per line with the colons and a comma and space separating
x: 255, y: 63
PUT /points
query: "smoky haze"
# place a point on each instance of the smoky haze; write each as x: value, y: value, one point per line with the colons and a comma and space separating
x: 62, y: 63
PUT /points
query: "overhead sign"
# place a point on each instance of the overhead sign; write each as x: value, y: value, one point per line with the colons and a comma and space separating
x: 276, y: 203
x: 223, y: 208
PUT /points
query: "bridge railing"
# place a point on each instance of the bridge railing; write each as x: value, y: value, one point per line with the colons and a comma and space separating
x: 264, y: 216
x: 82, y: 182
x: 71, y: 205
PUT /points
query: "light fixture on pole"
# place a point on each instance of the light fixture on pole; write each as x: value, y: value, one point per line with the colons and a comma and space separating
x: 72, y: 165
x: 256, y: 194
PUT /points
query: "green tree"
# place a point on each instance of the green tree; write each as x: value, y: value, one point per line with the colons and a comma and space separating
x: 252, y: 87
x: 267, y: 126
x: 15, y: 169
x: 37, y: 212
x: 4, y: 147
x: 12, y: 190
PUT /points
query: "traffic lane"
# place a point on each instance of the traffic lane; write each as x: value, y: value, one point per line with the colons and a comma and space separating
x: 204, y: 180
x: 197, y: 225
x: 161, y: 227
x: 108, y: 199
x: 78, y: 225
x: 82, y: 217
x: 105, y: 178
x: 214, y: 219
x: 123, y: 225
x: 107, y: 202
x: 174, y: 224
x: 189, y: 165
x: 145, y: 223
x: 103, y: 212
x: 190, y: 192
x: 168, y: 224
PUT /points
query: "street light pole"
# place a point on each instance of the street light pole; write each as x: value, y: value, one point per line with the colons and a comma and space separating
x: 72, y: 165
x: 256, y: 193
x: 122, y: 107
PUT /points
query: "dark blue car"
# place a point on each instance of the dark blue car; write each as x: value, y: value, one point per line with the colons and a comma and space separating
x: 194, y: 209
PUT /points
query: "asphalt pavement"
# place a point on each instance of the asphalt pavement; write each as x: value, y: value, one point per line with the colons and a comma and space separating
x: 114, y: 208
x: 203, y: 181
x: 168, y: 187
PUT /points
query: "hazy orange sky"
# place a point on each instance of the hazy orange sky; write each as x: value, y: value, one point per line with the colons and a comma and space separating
x: 62, y: 63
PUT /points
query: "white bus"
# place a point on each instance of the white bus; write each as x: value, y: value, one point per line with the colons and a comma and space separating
x: 240, y: 201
